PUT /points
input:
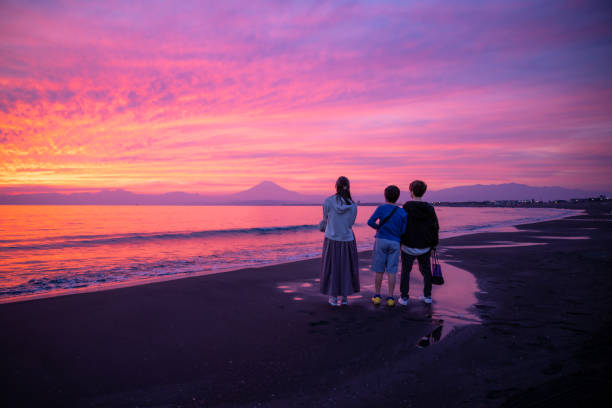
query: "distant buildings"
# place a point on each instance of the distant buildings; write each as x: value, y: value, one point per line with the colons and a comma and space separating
x: 602, y: 200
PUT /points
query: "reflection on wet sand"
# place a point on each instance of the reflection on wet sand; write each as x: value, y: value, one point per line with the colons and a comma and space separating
x: 432, y: 337
x: 588, y: 219
x: 496, y: 245
x: 454, y: 302
x: 561, y: 237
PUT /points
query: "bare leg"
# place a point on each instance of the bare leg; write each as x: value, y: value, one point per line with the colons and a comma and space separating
x: 391, y: 279
x: 378, y: 277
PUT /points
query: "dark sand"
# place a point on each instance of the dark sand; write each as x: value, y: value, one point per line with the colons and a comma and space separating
x: 235, y: 339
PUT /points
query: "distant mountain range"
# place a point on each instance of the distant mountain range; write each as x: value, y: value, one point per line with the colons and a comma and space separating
x: 268, y: 192
x: 264, y: 193
x: 509, y: 191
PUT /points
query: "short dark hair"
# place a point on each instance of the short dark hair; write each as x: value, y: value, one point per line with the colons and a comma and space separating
x: 392, y: 193
x: 418, y: 188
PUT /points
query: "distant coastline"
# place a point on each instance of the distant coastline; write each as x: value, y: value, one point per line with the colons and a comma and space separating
x: 269, y: 193
x: 600, y: 204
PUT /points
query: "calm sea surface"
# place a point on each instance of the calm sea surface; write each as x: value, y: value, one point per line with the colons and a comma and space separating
x: 53, y: 249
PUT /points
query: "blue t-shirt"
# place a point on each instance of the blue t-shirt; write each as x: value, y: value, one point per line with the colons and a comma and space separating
x: 395, y: 226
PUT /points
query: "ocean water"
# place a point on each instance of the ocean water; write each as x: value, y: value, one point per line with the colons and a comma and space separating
x: 55, y: 249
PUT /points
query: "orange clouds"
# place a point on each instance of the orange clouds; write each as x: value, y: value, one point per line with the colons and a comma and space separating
x: 207, y: 97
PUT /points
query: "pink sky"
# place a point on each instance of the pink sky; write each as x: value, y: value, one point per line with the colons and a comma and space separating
x: 159, y: 96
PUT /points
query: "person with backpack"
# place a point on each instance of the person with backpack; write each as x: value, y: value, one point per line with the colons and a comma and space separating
x: 417, y: 242
x: 389, y: 229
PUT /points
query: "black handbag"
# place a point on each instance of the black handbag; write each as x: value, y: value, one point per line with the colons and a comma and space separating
x: 436, y: 269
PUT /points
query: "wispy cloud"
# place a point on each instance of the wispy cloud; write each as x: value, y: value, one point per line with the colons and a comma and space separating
x: 152, y: 95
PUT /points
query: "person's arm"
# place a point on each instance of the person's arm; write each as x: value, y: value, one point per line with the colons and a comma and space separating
x: 325, y: 210
x: 323, y: 223
x: 354, y: 213
x: 372, y: 221
x: 436, y: 228
x: 405, y: 208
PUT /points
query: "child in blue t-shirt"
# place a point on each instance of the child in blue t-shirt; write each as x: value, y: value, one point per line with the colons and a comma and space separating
x: 389, y: 230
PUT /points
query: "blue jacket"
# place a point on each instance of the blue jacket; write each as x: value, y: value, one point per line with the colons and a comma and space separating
x: 394, y: 228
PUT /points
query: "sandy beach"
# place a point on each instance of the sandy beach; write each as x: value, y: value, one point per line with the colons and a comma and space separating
x: 237, y: 339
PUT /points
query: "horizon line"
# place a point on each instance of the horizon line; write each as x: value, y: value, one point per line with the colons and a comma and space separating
x: 67, y: 191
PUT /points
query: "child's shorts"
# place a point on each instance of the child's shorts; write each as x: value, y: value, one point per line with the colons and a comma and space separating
x: 386, y: 256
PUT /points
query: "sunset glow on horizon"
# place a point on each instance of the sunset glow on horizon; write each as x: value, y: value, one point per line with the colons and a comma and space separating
x: 217, y: 96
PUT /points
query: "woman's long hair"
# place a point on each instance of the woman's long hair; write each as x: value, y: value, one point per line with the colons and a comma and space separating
x: 343, y: 189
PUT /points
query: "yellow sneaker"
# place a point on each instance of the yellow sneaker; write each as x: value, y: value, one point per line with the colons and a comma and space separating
x: 390, y: 301
x: 376, y: 299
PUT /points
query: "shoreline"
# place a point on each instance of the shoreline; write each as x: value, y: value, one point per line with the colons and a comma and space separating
x: 237, y: 340
x: 165, y: 278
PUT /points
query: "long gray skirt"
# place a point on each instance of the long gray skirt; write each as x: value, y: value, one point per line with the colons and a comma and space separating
x: 340, y: 268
